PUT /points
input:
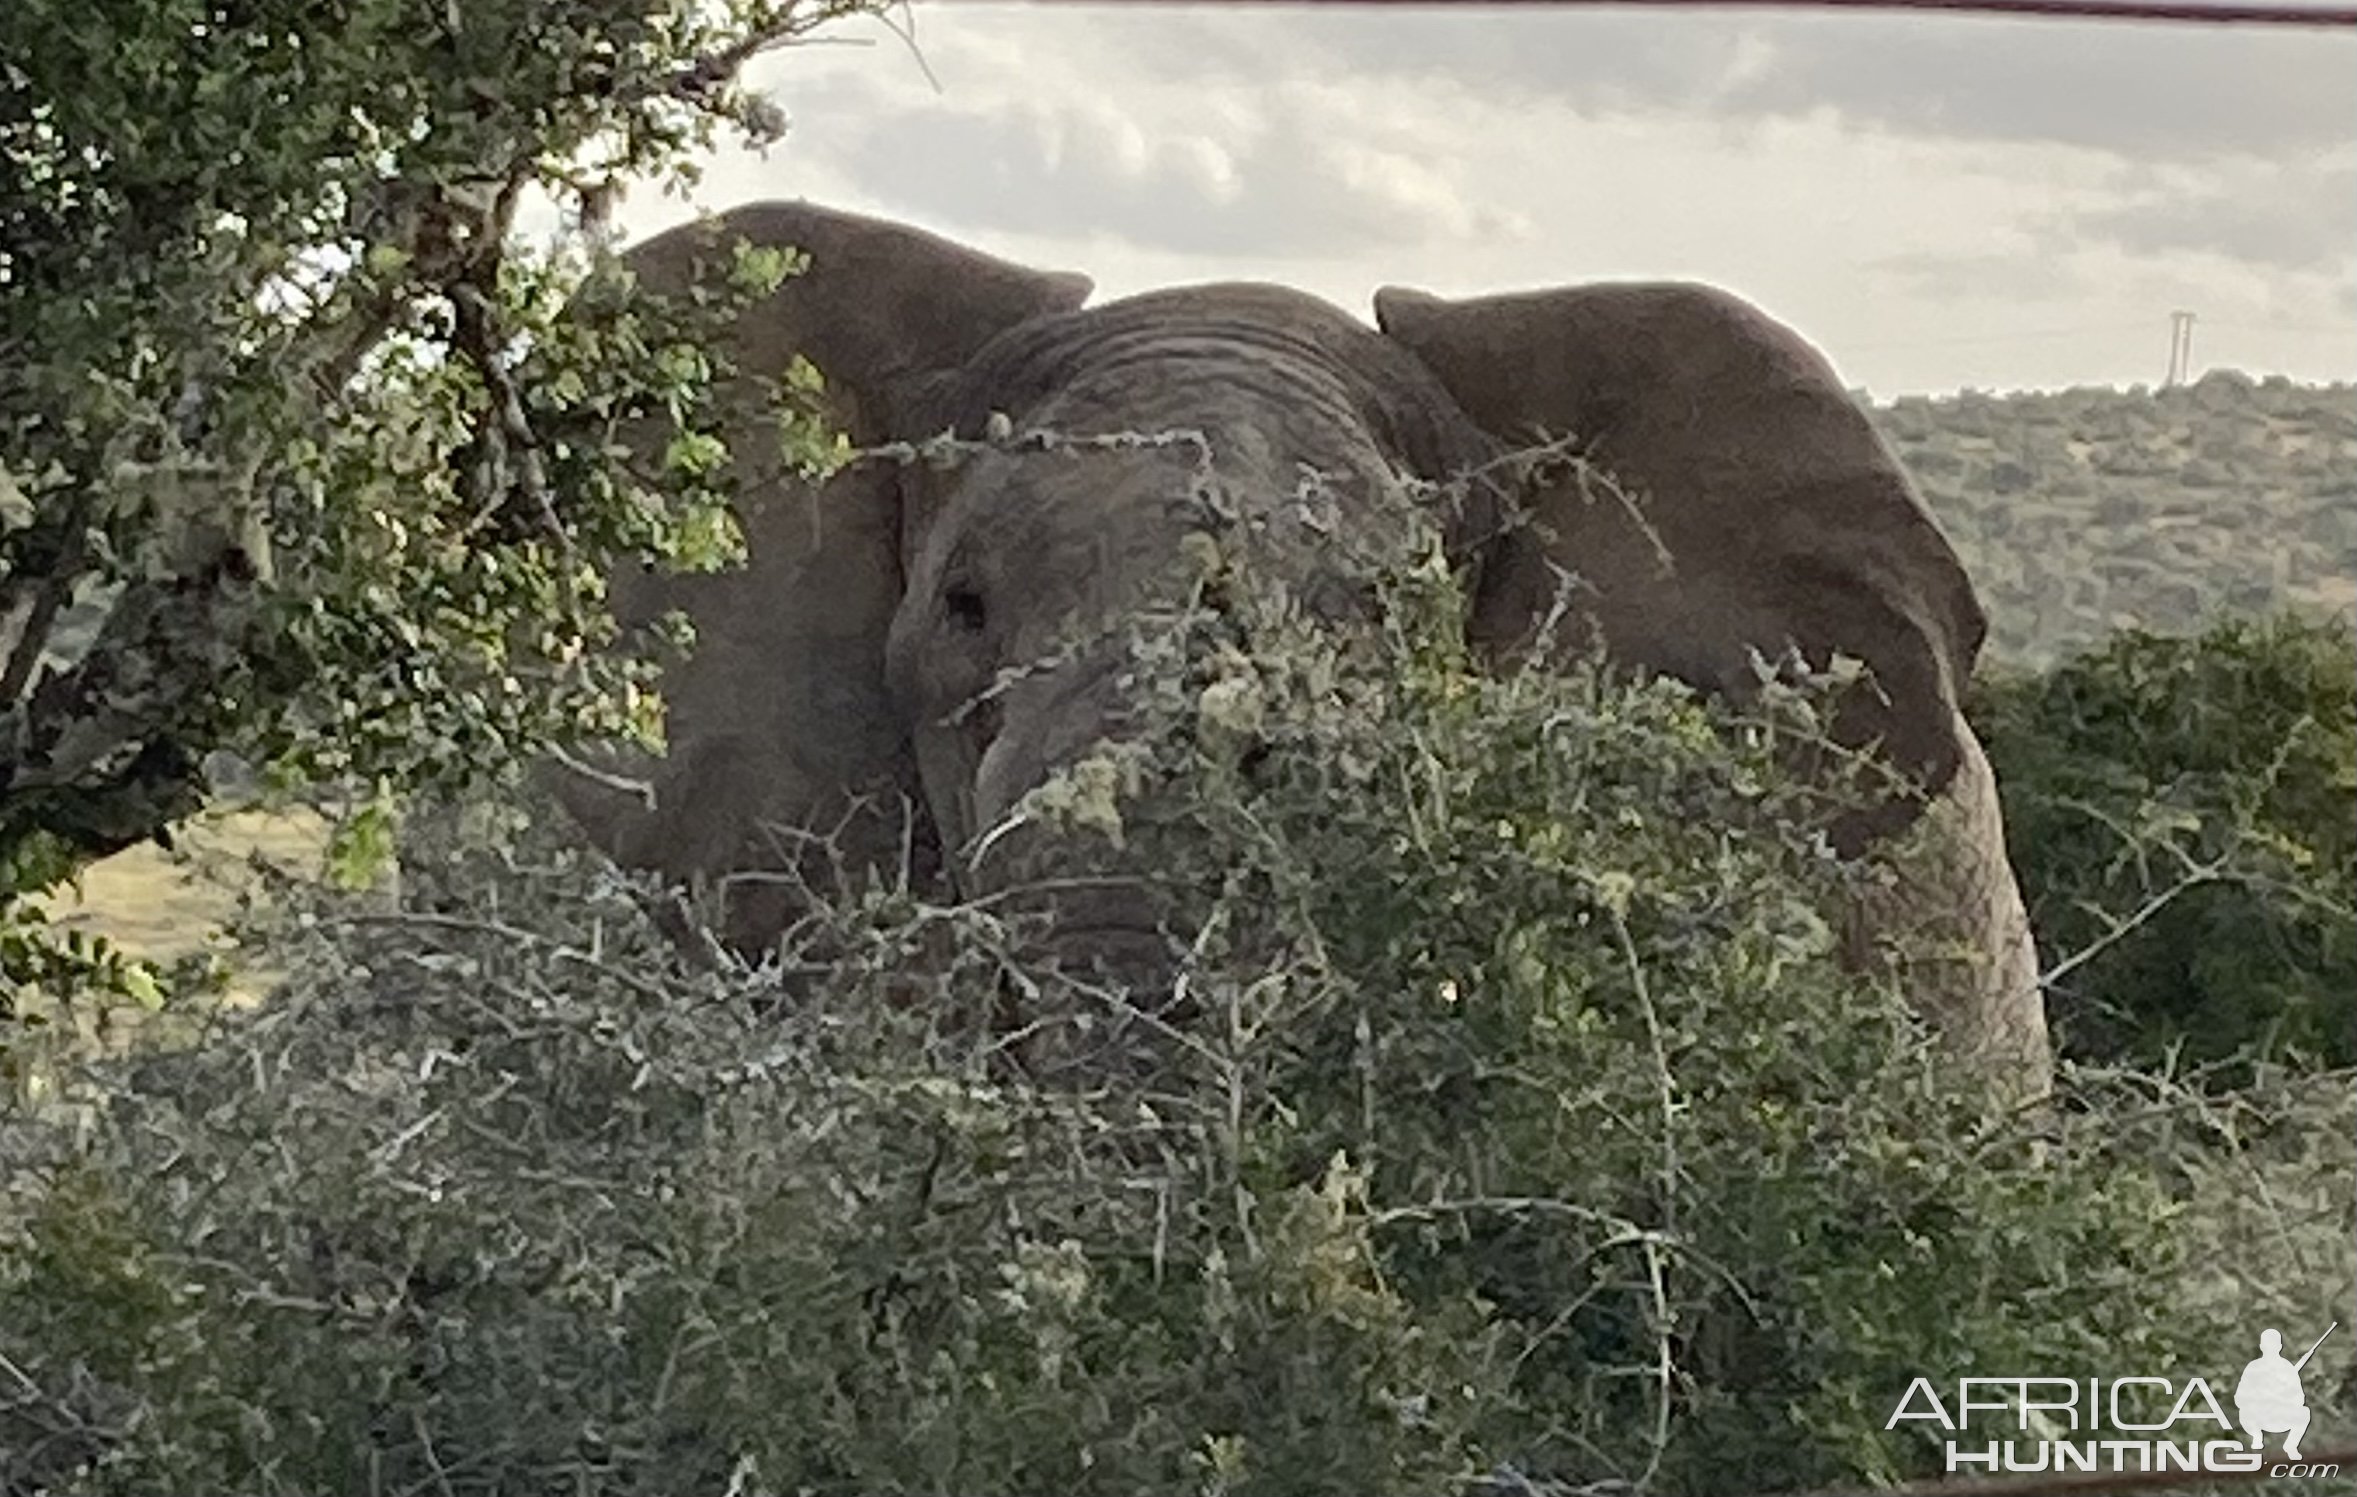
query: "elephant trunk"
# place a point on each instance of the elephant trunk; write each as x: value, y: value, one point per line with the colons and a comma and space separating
x: 1051, y: 768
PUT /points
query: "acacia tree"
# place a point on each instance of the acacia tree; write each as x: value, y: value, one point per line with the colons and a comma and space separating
x: 276, y: 475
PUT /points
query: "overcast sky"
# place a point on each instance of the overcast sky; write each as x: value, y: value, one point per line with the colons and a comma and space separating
x: 1937, y: 201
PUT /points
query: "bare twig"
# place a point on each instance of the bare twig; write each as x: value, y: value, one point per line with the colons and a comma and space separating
x: 904, y: 27
x: 1665, y: 1087
x: 2212, y: 872
x: 1439, y: 1207
x: 513, y: 935
x: 642, y: 791
x: 697, y: 80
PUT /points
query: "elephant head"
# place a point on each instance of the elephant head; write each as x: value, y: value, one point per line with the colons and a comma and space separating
x: 914, y: 636
x: 1205, y: 410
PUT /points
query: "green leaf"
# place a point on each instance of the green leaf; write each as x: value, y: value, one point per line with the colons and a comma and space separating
x: 695, y: 454
x: 139, y: 982
x: 362, y: 846
x: 760, y: 269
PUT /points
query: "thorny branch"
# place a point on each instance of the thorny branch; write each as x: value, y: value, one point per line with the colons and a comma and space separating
x: 2213, y: 872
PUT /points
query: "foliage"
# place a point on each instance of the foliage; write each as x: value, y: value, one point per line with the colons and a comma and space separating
x: 1510, y: 1116
x: 2182, y: 810
x: 2082, y: 512
x: 297, y: 457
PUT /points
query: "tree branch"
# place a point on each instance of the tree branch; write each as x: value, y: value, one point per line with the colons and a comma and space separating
x: 697, y: 80
x: 50, y: 593
x: 2212, y: 872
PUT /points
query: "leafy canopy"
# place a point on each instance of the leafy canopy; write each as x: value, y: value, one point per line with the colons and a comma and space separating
x: 298, y: 458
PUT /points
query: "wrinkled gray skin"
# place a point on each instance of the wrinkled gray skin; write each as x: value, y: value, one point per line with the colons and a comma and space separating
x: 1017, y: 548
x: 837, y: 680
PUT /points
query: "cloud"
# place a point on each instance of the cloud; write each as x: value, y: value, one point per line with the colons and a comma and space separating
x: 2143, y: 91
x: 2272, y: 241
x: 1997, y: 274
x: 2299, y: 216
x: 1242, y: 132
x: 1288, y: 171
x: 1935, y: 200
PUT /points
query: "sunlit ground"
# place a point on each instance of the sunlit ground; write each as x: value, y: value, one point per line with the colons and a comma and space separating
x: 168, y: 905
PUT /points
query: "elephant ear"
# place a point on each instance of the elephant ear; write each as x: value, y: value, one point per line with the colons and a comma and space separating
x: 1758, y: 509
x: 779, y: 716
x: 878, y: 303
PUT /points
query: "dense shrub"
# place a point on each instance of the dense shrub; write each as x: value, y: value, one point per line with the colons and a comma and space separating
x: 2080, y: 512
x: 2183, y: 814
x: 1516, y: 1115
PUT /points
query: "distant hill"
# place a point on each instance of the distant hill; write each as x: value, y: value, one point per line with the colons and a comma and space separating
x: 2084, y: 511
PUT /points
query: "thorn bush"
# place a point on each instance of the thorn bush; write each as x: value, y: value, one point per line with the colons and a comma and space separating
x: 1509, y: 1119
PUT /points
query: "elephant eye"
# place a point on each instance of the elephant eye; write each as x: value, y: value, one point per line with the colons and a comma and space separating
x: 963, y: 608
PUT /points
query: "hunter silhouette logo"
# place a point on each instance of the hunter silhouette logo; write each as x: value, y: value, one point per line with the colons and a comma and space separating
x: 2124, y: 1424
x: 2268, y: 1400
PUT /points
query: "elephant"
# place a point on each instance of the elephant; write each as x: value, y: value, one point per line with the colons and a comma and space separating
x: 1777, y: 517
x: 881, y: 680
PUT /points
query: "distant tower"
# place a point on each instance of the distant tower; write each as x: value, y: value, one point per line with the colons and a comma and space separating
x: 2180, y: 349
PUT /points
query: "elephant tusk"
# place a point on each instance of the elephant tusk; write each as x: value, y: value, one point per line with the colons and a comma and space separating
x: 1006, y: 824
